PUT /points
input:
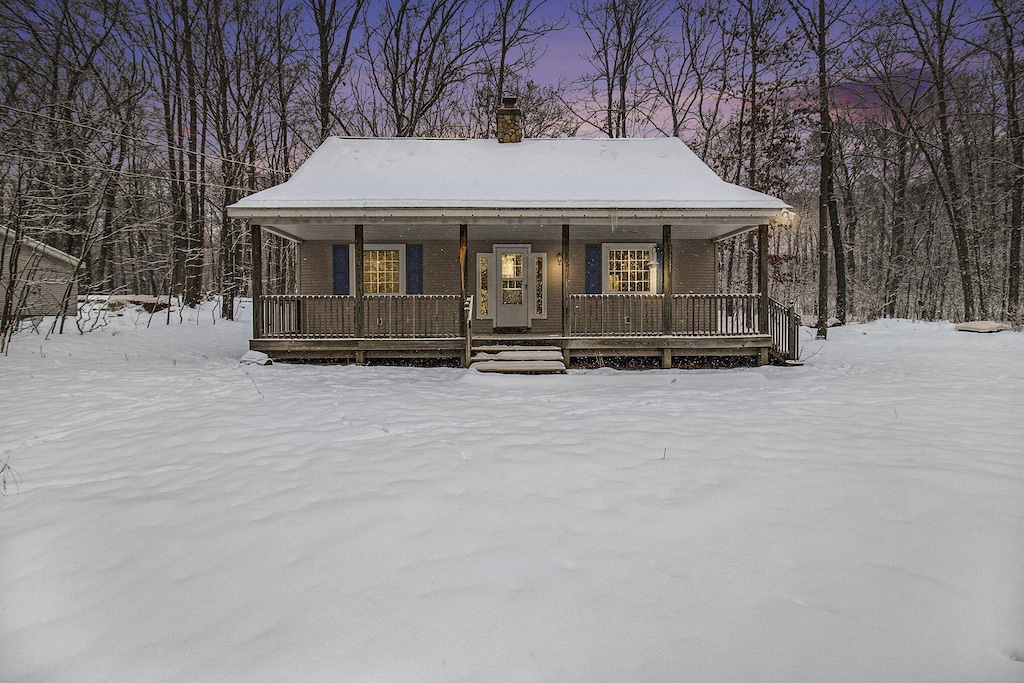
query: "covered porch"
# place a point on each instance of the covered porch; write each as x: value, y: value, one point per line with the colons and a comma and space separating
x: 359, y: 326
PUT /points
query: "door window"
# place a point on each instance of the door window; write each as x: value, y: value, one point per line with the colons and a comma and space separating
x: 512, y: 279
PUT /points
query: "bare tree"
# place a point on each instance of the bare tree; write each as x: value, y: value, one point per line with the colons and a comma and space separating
x: 416, y: 59
x: 935, y: 29
x: 688, y: 73
x: 621, y: 35
x: 818, y: 22
x: 519, y: 26
x: 759, y: 142
x: 1005, y: 19
x: 336, y: 25
x: 173, y: 47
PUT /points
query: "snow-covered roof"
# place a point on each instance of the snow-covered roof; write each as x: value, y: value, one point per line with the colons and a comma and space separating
x: 570, y: 173
x: 586, y: 182
x: 29, y: 243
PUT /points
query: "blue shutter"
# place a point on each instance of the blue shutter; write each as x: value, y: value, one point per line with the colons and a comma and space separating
x: 593, y: 279
x: 414, y: 269
x: 341, y: 270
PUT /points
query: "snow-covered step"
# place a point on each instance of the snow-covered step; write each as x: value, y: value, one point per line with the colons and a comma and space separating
x: 518, y: 358
x: 525, y: 367
x: 514, y: 347
x: 516, y: 354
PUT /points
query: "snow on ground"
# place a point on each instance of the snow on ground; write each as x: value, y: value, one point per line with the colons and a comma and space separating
x: 182, y: 516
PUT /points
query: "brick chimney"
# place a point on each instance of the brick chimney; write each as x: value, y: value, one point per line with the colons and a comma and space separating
x: 510, y: 121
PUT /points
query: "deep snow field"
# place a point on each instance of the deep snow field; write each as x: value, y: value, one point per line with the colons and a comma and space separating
x: 180, y: 516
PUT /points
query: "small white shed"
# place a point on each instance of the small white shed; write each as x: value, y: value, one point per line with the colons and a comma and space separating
x: 41, y: 281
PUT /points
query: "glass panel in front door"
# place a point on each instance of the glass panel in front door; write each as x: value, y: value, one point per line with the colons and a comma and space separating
x: 511, y: 279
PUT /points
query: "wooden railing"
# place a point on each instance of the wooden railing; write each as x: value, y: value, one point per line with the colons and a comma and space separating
x: 308, y: 315
x: 406, y: 316
x: 615, y: 315
x: 392, y: 316
x: 384, y: 316
x: 710, y: 315
x: 698, y: 315
x: 784, y: 327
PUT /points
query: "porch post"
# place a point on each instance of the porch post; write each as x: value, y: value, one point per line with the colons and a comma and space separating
x: 357, y: 264
x: 666, y: 279
x: 256, y: 261
x: 565, y: 279
x: 762, y: 278
x: 762, y: 286
x: 464, y: 272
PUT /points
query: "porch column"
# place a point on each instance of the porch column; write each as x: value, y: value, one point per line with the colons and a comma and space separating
x: 762, y: 278
x: 762, y: 287
x: 256, y: 261
x: 464, y: 259
x: 666, y: 279
x: 565, y: 279
x: 357, y: 264
x: 464, y: 272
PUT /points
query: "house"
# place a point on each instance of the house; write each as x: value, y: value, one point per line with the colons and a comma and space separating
x: 40, y: 281
x: 586, y: 247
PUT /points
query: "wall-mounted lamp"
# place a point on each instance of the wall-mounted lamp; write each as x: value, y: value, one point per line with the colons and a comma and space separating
x: 787, y: 217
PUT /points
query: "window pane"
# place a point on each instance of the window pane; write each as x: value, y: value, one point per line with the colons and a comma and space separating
x: 539, y: 288
x: 512, y: 265
x: 483, y: 285
x: 629, y: 270
x: 380, y: 271
x: 512, y: 292
x: 512, y: 279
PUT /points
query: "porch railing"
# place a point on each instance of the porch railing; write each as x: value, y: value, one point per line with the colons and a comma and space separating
x: 631, y: 315
x: 698, y: 315
x: 615, y: 315
x: 390, y: 316
x: 709, y: 315
x: 404, y: 316
x: 784, y: 327
x: 307, y: 315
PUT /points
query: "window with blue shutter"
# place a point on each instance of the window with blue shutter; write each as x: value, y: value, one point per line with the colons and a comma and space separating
x: 341, y: 269
x: 593, y: 277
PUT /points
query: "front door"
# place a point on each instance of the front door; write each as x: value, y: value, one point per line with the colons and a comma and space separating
x: 511, y: 307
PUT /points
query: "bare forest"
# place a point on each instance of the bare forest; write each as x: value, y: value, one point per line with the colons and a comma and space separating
x: 894, y: 129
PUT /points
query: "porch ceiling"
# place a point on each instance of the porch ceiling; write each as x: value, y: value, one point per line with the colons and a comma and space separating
x: 512, y: 225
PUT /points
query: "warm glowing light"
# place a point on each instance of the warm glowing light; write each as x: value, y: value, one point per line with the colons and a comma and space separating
x: 787, y: 217
x: 511, y: 266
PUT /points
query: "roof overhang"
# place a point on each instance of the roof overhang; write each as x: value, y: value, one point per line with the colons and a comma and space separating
x: 302, y: 224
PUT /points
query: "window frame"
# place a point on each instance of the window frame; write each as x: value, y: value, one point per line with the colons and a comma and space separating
x: 607, y: 247
x: 488, y: 258
x: 541, y: 287
x: 402, y: 273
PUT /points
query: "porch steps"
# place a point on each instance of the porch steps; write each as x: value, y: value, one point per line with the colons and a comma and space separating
x: 523, y: 360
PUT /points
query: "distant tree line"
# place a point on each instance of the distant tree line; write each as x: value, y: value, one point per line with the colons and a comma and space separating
x: 126, y: 126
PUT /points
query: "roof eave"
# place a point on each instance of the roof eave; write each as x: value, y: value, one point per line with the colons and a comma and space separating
x: 336, y: 214
x: 46, y: 249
